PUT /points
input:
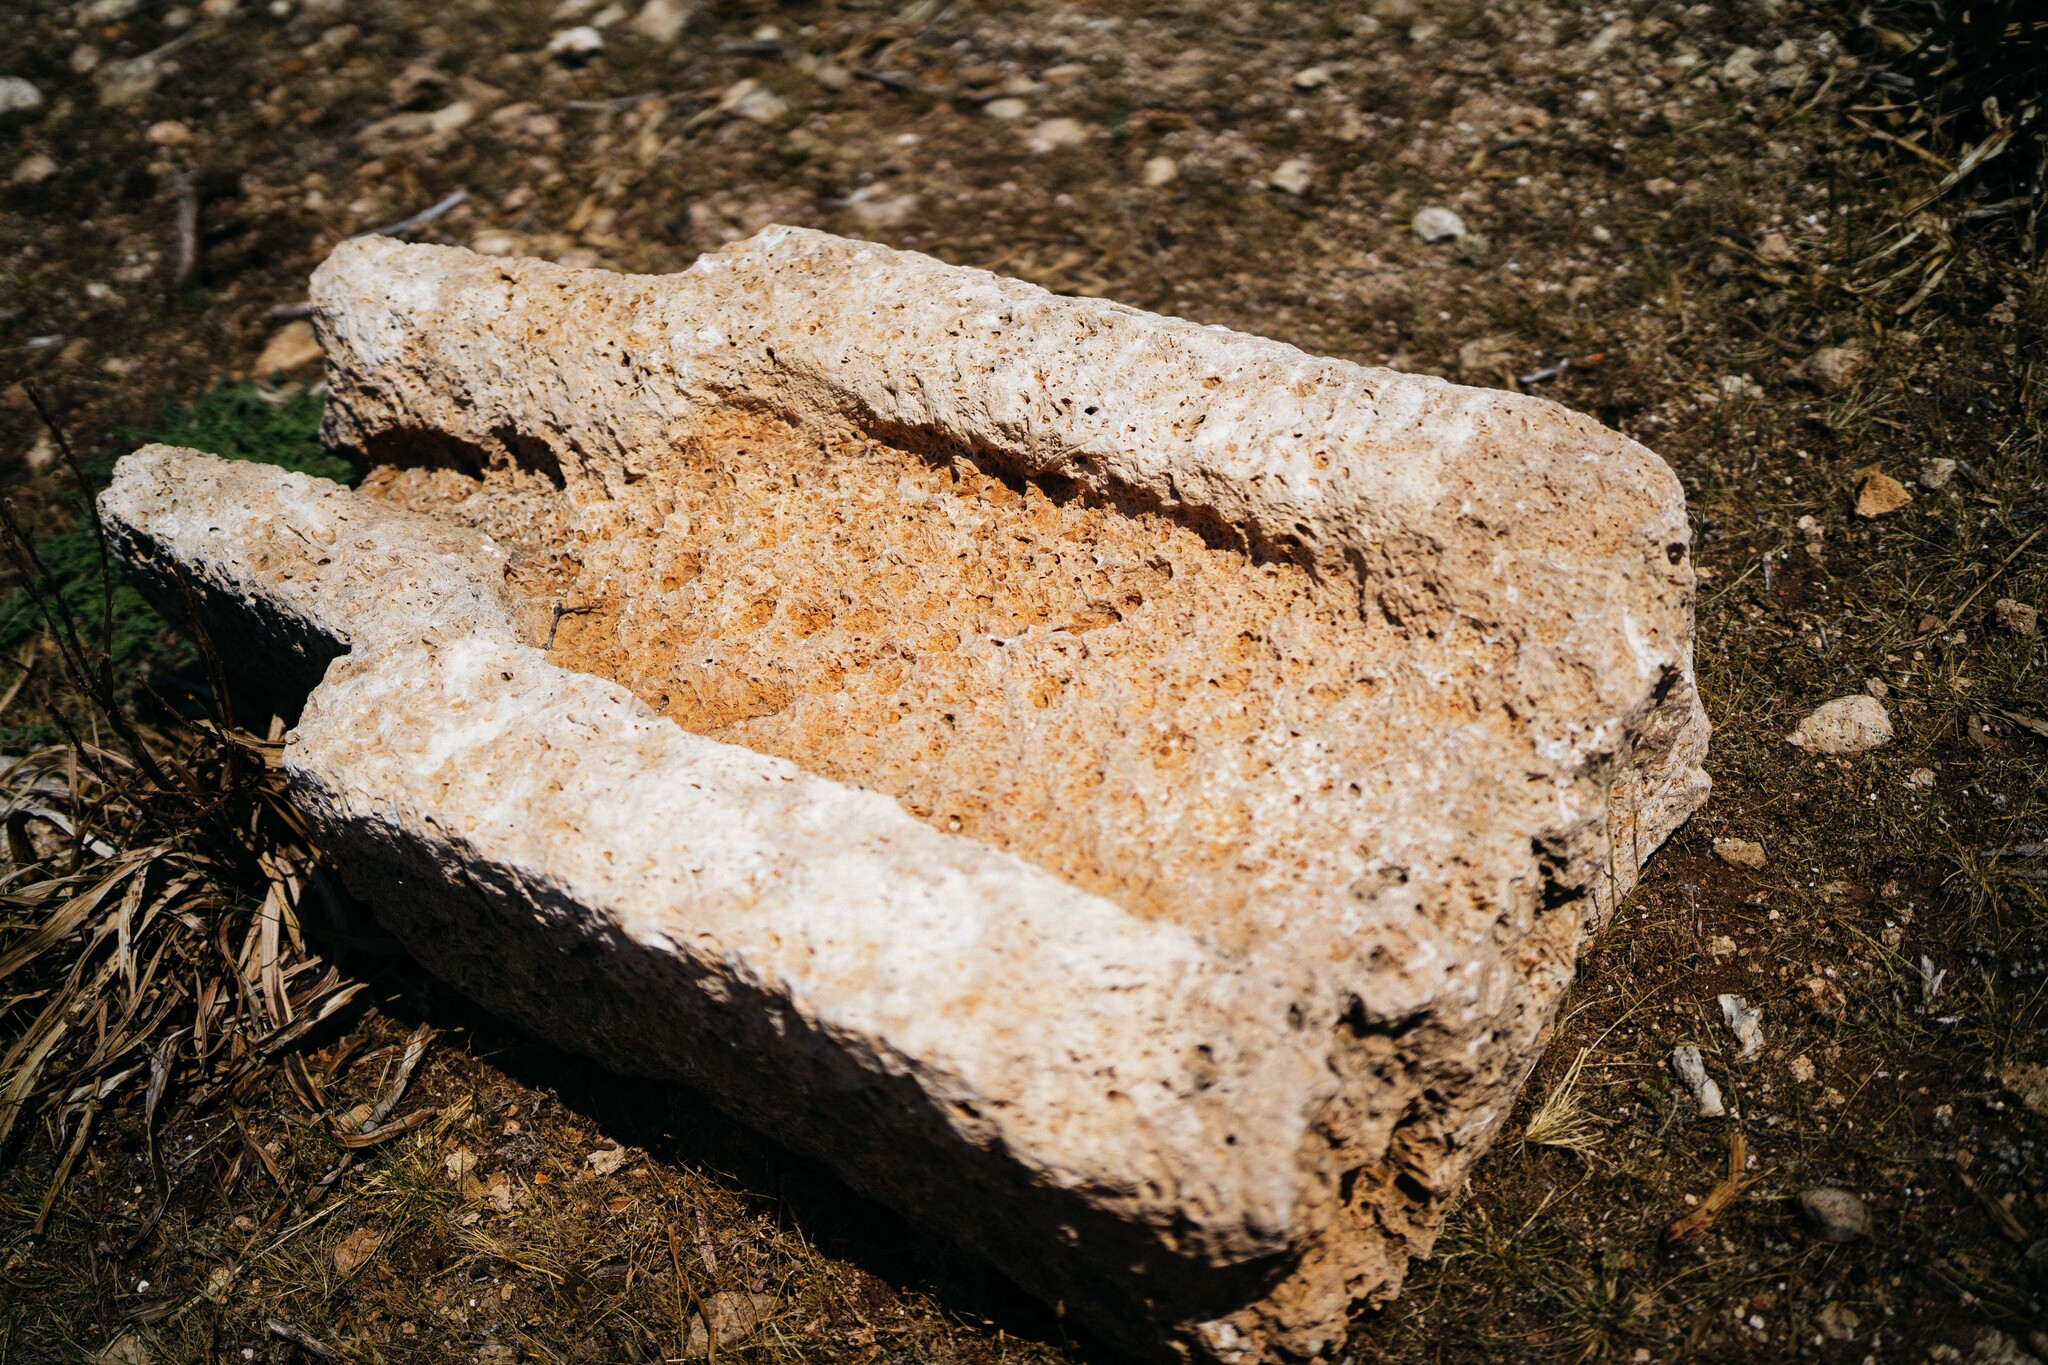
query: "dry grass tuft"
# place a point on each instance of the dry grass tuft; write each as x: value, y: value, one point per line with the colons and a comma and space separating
x: 1562, y: 1119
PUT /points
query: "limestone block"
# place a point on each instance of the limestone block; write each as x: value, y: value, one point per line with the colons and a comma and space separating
x: 1127, y: 793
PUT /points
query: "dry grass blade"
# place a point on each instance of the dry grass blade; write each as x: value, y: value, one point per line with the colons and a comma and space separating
x: 683, y: 1286
x: 65, y: 1167
x: 1697, y: 1220
x: 1563, y: 1120
x: 154, y: 897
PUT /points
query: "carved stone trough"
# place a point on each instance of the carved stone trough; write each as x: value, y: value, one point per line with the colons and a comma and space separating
x: 1126, y: 793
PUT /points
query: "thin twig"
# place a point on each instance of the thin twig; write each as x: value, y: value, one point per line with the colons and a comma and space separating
x: 92, y: 512
x: 188, y: 224
x: 64, y: 1167
x: 422, y: 218
x: 683, y: 1286
x: 1989, y: 579
x: 300, y: 1338
x: 561, y: 611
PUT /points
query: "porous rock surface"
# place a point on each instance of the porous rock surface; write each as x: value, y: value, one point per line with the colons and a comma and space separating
x: 1126, y: 792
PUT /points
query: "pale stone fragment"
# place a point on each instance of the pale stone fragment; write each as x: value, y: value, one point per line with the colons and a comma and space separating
x: 1740, y: 853
x: 1846, y: 725
x: 1128, y: 793
x: 291, y: 347
x: 1880, y: 494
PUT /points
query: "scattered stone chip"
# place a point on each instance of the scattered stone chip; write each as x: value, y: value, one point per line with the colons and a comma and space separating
x: 1740, y: 852
x: 1847, y: 725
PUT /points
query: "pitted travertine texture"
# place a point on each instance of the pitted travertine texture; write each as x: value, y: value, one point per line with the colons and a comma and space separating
x: 1322, y: 708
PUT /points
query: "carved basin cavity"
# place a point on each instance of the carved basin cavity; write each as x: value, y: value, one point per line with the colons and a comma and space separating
x: 1127, y: 792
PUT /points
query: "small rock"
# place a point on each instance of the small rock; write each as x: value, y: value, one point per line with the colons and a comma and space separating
x: 416, y: 83
x: 575, y: 46
x: 106, y: 11
x: 291, y: 347
x: 1837, y: 1321
x: 1057, y: 132
x: 1158, y: 171
x: 354, y: 1251
x: 1802, y: 1070
x: 1692, y: 1069
x: 1294, y: 176
x: 1880, y: 495
x: 832, y: 76
x: 1740, y: 853
x: 1437, y: 224
x: 663, y: 21
x: 1847, y: 725
x: 872, y: 206
x: 754, y: 102
x: 1311, y: 78
x: 2017, y: 617
x: 1066, y: 73
x: 17, y: 95
x: 1935, y: 474
x: 1746, y: 1022
x: 388, y: 135
x: 1921, y: 779
x: 1008, y: 109
x: 33, y: 169
x: 1488, y: 359
x: 495, y: 242
x: 1787, y: 78
x: 1831, y: 368
x: 169, y: 133
x: 124, y: 84
x: 84, y: 58
x: 1660, y: 187
x: 451, y: 117
x: 219, y: 1281
x: 2029, y: 1081
x: 1775, y: 250
x: 1823, y: 996
x: 1740, y: 68
x: 606, y: 1160
x: 1835, y: 1215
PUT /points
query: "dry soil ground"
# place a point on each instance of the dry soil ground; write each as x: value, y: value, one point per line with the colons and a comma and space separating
x: 1703, y: 224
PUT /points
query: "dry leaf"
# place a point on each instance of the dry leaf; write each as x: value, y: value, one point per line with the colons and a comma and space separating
x: 734, y: 1318
x: 352, y: 1252
x: 606, y: 1160
x: 1880, y: 494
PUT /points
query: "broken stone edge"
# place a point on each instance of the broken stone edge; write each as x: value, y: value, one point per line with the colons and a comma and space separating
x: 837, y: 972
